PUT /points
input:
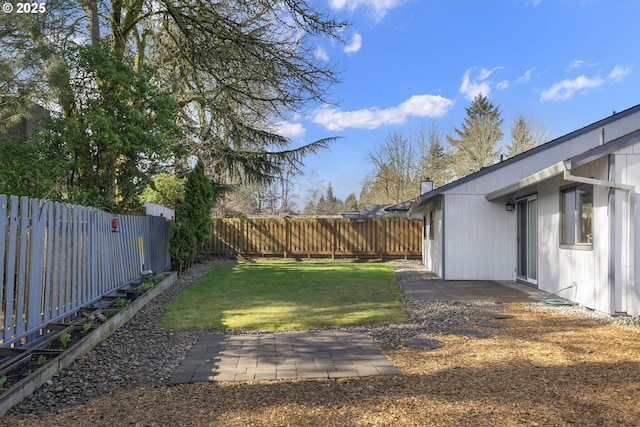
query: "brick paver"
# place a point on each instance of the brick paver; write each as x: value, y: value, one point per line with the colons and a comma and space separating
x: 283, y: 355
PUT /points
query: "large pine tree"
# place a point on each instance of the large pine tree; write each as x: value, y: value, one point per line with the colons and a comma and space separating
x: 476, y: 145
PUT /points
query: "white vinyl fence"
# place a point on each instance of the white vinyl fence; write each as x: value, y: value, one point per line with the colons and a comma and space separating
x: 56, y: 258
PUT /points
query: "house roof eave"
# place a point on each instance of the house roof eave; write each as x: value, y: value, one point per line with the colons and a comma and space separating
x: 544, y: 174
x: 571, y: 163
x: 605, y: 149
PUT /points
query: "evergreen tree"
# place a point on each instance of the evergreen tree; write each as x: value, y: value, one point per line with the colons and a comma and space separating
x: 331, y: 198
x: 476, y: 144
x: 192, y: 227
x: 351, y: 203
x: 329, y: 204
x: 199, y: 189
x: 434, y: 162
x: 524, y: 136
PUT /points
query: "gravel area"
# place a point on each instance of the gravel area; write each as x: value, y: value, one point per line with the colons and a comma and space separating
x: 141, y: 357
x: 137, y: 354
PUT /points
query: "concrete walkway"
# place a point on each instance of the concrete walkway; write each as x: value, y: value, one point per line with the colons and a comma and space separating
x: 285, y: 355
x: 470, y: 291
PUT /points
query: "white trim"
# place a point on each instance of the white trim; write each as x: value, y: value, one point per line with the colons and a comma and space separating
x: 543, y: 175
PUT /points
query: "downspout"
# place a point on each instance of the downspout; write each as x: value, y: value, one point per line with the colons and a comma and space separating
x: 633, y: 303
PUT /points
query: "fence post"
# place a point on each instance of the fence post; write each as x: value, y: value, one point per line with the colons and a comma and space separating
x: 334, y: 238
x: 287, y: 237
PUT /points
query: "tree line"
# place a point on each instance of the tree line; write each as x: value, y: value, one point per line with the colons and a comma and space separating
x: 404, y: 160
x: 140, y: 93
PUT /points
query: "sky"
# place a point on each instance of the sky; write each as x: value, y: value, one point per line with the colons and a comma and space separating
x: 562, y: 64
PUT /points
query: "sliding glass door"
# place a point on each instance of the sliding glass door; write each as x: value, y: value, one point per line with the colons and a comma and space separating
x: 527, y: 212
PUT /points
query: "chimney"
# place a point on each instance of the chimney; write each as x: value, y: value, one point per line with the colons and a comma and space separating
x: 426, y: 186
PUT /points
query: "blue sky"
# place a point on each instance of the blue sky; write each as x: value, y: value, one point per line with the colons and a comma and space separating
x: 562, y: 64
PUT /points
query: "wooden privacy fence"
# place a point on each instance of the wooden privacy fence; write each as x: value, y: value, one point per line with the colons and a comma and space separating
x: 317, y: 237
x: 56, y: 258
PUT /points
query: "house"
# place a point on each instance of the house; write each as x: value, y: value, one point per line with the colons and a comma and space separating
x: 560, y: 217
x: 23, y: 124
x: 153, y: 209
x: 399, y: 210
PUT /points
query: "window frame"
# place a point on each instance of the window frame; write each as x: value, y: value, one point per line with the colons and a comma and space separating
x: 574, y: 194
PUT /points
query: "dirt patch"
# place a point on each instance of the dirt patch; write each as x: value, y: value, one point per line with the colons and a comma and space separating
x: 541, y: 369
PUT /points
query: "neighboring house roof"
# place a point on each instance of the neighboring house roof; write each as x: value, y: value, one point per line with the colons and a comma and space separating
x: 400, y: 207
x: 278, y: 215
x: 373, y: 211
x: 350, y: 214
x: 381, y: 211
x: 599, y: 151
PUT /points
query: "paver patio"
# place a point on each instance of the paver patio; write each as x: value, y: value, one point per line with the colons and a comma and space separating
x: 282, y: 355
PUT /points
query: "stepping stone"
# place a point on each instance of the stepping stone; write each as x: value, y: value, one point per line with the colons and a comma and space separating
x: 471, y: 333
x: 500, y: 316
x: 426, y: 343
x: 491, y: 324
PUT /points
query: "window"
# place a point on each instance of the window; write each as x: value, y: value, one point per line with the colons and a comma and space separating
x: 577, y: 215
x: 432, y: 226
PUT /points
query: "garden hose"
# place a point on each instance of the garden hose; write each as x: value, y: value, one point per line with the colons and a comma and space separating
x: 558, y: 302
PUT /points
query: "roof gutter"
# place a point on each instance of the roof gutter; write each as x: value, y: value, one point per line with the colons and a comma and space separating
x: 633, y: 299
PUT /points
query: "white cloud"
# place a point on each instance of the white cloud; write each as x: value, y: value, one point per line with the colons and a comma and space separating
x: 355, y: 44
x: 619, y: 72
x: 485, y: 74
x: 525, y: 77
x: 568, y: 87
x: 577, y: 63
x: 433, y: 106
x: 477, y: 85
x: 378, y: 7
x: 289, y: 129
x: 502, y: 85
x: 321, y: 54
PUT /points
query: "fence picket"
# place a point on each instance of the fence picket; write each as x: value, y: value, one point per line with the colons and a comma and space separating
x: 11, y: 269
x: 36, y: 261
x: 3, y: 242
x: 23, y: 234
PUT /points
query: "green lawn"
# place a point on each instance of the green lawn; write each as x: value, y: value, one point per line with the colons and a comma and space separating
x: 281, y: 295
